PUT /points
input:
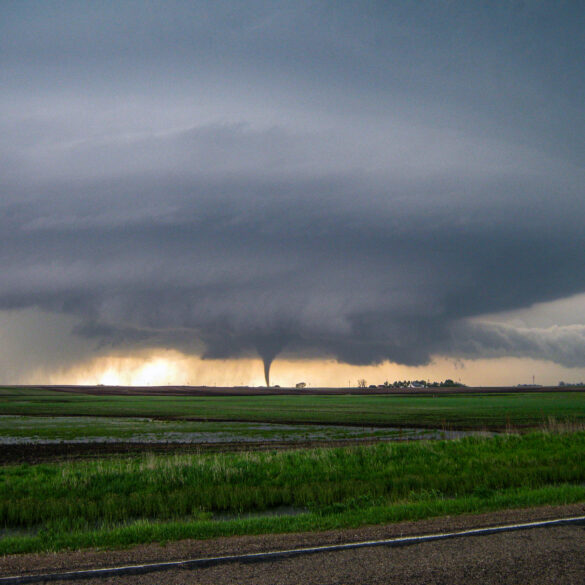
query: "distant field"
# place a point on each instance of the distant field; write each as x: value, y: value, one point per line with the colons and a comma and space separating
x: 454, y: 411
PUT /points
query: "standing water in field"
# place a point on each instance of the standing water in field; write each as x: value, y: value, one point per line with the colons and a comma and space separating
x: 47, y: 430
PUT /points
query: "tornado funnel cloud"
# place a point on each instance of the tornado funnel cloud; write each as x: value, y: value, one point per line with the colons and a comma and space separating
x: 267, y: 364
x: 268, y: 347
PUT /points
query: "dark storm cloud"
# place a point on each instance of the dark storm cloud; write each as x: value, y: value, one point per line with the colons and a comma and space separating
x: 564, y: 345
x: 237, y: 178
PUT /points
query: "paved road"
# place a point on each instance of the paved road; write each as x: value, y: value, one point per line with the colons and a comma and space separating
x: 538, y: 556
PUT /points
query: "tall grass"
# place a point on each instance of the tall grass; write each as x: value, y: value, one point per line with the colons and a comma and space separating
x: 51, y: 501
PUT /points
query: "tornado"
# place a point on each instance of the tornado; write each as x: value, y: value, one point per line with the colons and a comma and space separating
x: 268, y: 347
x: 267, y: 363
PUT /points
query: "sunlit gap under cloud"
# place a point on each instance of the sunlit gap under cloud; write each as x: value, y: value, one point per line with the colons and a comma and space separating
x: 172, y: 368
x: 42, y: 348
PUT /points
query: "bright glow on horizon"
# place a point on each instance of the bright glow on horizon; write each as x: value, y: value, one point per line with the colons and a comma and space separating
x: 169, y: 367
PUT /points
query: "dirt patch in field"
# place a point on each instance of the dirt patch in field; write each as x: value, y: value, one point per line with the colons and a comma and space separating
x: 56, y: 452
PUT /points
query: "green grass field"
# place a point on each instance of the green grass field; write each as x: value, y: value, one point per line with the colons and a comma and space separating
x: 119, y: 502
x: 113, y: 501
x: 490, y: 411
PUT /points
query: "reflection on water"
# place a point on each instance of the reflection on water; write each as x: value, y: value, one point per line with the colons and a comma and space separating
x: 62, y: 430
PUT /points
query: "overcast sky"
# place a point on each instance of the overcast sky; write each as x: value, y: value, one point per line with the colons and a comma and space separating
x: 363, y: 182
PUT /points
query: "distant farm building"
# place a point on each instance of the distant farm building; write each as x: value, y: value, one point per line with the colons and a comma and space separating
x: 300, y: 385
x: 417, y: 385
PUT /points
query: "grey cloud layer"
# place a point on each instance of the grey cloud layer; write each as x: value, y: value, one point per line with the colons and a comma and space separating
x: 564, y: 345
x: 441, y: 185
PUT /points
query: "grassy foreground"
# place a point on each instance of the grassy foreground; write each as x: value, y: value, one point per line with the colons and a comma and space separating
x: 120, y: 502
x: 494, y: 411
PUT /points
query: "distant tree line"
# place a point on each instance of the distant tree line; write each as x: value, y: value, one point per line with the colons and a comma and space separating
x: 362, y: 383
x: 423, y: 384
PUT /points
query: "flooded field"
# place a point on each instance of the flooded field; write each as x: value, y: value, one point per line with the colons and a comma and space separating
x: 20, y: 430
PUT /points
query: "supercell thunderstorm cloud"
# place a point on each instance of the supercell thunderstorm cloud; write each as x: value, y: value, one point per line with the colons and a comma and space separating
x: 363, y: 182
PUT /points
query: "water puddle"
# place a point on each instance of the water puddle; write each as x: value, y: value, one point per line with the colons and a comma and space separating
x: 21, y: 430
x: 270, y: 513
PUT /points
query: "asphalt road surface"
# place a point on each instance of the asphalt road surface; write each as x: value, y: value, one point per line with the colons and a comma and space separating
x: 554, y: 555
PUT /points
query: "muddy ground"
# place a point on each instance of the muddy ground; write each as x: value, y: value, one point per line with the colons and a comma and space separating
x: 56, y: 452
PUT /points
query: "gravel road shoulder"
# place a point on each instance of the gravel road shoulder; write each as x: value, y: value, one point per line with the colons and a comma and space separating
x: 186, y: 549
